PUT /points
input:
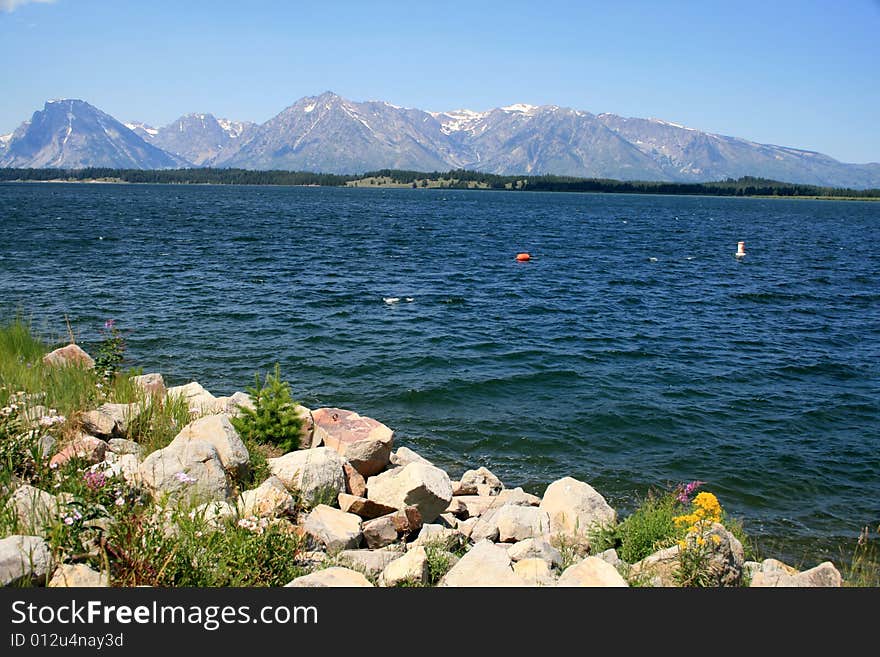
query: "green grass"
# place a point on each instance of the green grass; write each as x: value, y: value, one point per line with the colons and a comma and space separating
x: 863, y: 568
x: 648, y: 529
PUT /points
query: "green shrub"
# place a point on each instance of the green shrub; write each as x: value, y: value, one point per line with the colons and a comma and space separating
x: 274, y: 418
x: 111, y: 350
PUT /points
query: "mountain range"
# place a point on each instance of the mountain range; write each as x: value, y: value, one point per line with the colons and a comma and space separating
x: 328, y: 133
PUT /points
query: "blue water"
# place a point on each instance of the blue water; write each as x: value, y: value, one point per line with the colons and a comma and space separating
x: 633, y: 350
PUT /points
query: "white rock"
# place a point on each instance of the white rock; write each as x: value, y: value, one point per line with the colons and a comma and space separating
x: 423, y: 486
x: 219, y: 432
x: 404, y: 456
x: 535, y: 548
x: 269, y: 500
x: 331, y: 578
x: 482, y: 477
x: 336, y: 529
x: 369, y: 562
x: 35, y: 509
x: 199, y: 400
x: 316, y: 475
x: 25, y: 559
x: 439, y: 536
x: 486, y: 565
x: 517, y: 523
x: 574, y: 507
x: 411, y: 567
x: 592, y: 571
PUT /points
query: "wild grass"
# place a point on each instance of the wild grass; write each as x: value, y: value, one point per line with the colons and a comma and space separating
x: 863, y: 567
x: 648, y: 529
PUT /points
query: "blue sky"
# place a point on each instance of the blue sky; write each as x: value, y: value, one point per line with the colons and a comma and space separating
x: 802, y: 74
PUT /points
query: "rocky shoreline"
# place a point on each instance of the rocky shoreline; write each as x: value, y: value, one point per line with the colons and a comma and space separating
x: 368, y: 514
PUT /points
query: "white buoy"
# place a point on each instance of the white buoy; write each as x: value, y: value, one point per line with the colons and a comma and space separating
x: 740, y: 249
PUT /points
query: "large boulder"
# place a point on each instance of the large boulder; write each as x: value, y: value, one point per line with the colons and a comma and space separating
x: 316, y: 475
x: 592, y: 571
x: 404, y: 456
x: 517, y: 523
x: 123, y: 414
x: 269, y: 500
x: 486, y: 565
x: 219, y: 432
x: 24, y: 559
x: 423, y: 486
x: 574, y: 507
x: 34, y: 509
x: 76, y: 576
x: 98, y: 423
x: 380, y: 532
x: 334, y: 577
x: 482, y: 480
x: 336, y: 529
x: 69, y: 355
x: 190, y: 472
x: 773, y: 573
x: 411, y: 568
x: 363, y: 441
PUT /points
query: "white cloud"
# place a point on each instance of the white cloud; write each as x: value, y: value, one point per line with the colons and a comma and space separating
x: 12, y: 5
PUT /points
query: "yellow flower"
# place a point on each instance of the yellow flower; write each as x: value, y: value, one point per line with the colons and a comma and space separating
x: 683, y: 545
x: 701, y: 541
x: 716, y: 539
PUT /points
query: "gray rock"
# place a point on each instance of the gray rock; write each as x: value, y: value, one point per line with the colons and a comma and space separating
x: 439, y: 536
x: 658, y: 569
x: 189, y: 472
x: 35, y: 509
x: 773, y: 573
x: 24, y: 559
x: 518, y: 497
x: 610, y: 556
x: 219, y: 432
x: 423, y: 486
x: 334, y: 577
x: 336, y: 529
x: 486, y: 565
x: 316, y: 475
x: 411, y: 568
x: 517, y: 523
x: 574, y: 507
x: 78, y: 575
x: 592, y: 571
x: 369, y: 562
x: 535, y: 548
x: 123, y: 446
x: 123, y: 414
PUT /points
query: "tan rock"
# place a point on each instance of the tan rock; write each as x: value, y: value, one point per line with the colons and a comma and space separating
x: 363, y: 441
x: 34, y: 509
x: 574, y: 507
x: 411, y: 568
x: 535, y: 548
x: 24, y: 560
x: 517, y: 523
x: 190, y: 472
x: 404, y: 456
x: 380, y: 532
x: 658, y: 569
x: 199, y: 400
x: 407, y: 520
x: 69, y: 355
x: 334, y: 577
x: 78, y: 575
x: 152, y: 384
x: 439, y: 536
x: 486, y: 565
x: 269, y: 500
x: 367, y: 509
x: 369, y: 562
x: 423, y: 486
x: 592, y: 571
x: 97, y: 423
x: 355, y: 484
x: 459, y: 488
x: 336, y: 529
x: 218, y: 431
x: 535, y: 572
x: 88, y: 448
x: 482, y: 477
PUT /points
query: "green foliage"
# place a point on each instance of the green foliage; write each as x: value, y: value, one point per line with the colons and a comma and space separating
x: 863, y: 568
x: 159, y: 421
x: 694, y: 570
x: 648, y: 529
x: 111, y: 350
x: 274, y: 418
x: 439, y: 562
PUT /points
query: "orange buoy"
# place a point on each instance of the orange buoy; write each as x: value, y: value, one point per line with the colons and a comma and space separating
x: 523, y: 257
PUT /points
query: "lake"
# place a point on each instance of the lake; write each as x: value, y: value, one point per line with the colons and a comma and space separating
x: 633, y: 350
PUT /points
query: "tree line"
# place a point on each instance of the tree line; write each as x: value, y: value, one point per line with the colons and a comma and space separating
x: 745, y: 186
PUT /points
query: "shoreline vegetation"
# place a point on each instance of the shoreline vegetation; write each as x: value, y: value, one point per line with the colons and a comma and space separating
x: 455, y: 179
x: 108, y: 478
